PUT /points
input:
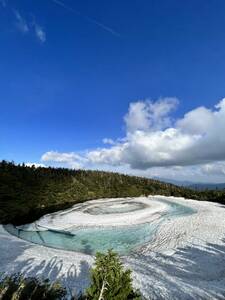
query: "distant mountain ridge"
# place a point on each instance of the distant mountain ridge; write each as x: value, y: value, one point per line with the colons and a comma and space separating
x: 173, y: 181
x: 207, y: 186
x: 194, y: 185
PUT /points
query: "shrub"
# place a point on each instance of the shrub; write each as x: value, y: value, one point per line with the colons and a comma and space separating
x: 109, y: 279
x: 16, y: 287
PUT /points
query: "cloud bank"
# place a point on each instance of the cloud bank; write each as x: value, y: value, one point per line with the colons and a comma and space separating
x: 154, y: 141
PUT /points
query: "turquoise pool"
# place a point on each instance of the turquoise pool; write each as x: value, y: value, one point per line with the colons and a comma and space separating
x: 89, y: 240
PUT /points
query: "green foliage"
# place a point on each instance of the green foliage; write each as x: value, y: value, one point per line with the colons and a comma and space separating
x: 27, y: 193
x: 17, y: 287
x: 109, y: 279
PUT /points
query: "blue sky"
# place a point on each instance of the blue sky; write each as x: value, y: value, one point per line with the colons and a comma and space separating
x: 69, y: 71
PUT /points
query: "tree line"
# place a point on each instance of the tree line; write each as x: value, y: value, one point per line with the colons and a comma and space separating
x: 27, y: 193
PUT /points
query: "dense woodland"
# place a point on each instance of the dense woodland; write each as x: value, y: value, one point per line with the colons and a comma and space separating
x: 27, y: 193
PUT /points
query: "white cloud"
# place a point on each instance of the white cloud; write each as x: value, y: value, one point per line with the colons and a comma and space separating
x: 194, y: 139
x: 217, y: 168
x: 36, y: 165
x: 148, y: 116
x: 21, y: 23
x: 193, y: 145
x: 31, y: 27
x: 197, y: 121
x: 108, y: 141
x: 40, y: 33
x: 70, y: 159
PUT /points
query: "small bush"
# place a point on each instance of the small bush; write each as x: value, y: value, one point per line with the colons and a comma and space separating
x: 109, y: 280
x: 17, y: 287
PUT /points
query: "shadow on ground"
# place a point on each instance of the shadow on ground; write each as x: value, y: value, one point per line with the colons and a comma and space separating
x: 73, y: 276
x: 191, y: 273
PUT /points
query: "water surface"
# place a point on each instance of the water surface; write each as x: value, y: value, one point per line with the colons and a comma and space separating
x: 89, y: 240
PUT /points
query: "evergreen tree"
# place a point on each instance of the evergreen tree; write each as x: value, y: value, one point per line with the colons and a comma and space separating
x: 16, y: 287
x: 109, y: 279
x: 27, y: 193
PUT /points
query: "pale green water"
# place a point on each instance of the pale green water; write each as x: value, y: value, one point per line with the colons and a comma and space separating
x: 123, y: 239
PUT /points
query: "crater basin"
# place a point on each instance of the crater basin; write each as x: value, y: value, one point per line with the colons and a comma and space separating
x: 124, y: 225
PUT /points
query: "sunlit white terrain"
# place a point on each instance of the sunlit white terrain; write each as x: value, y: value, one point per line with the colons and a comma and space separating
x: 125, y: 225
x: 174, y: 246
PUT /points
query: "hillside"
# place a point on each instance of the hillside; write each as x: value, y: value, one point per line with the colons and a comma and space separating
x: 27, y: 193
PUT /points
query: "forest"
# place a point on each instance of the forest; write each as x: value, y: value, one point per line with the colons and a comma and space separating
x: 27, y: 193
